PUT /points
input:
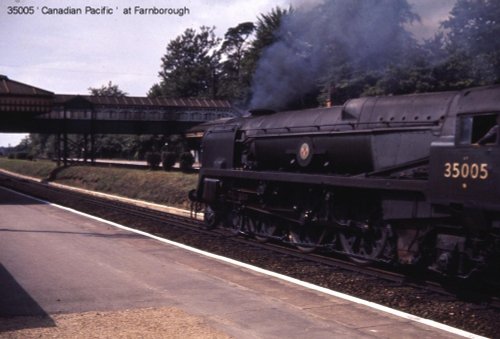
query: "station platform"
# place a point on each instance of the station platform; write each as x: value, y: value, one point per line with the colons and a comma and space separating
x: 55, y: 261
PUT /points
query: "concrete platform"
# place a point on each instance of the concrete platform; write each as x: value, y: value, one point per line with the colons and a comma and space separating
x: 56, y: 261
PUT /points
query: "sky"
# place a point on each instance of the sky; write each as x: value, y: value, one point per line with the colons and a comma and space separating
x: 67, y: 54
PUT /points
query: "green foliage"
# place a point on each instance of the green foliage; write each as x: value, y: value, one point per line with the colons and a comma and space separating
x: 153, y: 159
x: 373, y: 42
x: 168, y: 160
x: 465, y: 53
x: 186, y: 162
x: 190, y: 65
x: 108, y: 90
x: 266, y: 34
x: 200, y: 65
x: 107, y: 146
x: 175, y: 143
x: 22, y: 156
x: 156, y: 186
x: 42, y: 145
x: 266, y: 31
x: 37, y: 169
x: 474, y: 26
x: 234, y: 76
x: 25, y: 145
x: 472, y: 42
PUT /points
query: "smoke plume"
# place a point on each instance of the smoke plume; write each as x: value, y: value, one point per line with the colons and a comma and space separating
x: 315, y: 41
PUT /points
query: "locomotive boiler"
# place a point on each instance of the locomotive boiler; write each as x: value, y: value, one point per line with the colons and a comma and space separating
x: 399, y: 179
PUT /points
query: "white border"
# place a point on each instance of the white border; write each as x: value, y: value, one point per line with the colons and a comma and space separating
x: 298, y: 282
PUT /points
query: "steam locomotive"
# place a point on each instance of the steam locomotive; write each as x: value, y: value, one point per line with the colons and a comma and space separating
x: 394, y: 179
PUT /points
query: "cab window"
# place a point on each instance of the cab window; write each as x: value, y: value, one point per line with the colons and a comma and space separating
x: 472, y: 128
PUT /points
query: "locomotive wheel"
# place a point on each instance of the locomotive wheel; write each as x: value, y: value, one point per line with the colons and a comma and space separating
x: 210, y: 218
x: 364, y: 246
x: 307, y: 239
x: 261, y: 228
x: 235, y: 222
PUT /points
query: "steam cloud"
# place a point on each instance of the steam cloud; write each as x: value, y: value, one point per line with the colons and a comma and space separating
x: 315, y: 40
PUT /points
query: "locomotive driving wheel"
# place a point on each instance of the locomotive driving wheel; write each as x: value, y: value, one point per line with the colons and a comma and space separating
x: 236, y: 222
x: 210, y: 218
x: 365, y: 242
x: 307, y: 238
x: 261, y: 227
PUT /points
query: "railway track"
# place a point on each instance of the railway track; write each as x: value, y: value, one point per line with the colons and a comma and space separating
x: 272, y: 256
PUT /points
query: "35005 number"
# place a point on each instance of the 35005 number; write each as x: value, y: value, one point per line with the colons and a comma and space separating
x: 19, y: 10
x: 466, y: 171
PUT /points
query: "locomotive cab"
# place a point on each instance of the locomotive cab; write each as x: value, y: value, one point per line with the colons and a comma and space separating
x: 464, y: 173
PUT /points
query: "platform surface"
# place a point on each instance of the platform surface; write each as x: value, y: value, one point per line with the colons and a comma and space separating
x: 53, y: 261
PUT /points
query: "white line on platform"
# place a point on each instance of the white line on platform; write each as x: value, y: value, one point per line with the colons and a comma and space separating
x: 298, y: 282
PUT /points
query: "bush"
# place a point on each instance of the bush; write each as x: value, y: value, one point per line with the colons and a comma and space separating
x: 21, y: 156
x: 168, y: 160
x: 186, y: 161
x: 153, y: 159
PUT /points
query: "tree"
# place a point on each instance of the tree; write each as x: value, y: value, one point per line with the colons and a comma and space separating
x: 234, y: 77
x: 266, y: 34
x: 472, y: 41
x: 374, y: 45
x: 108, y: 90
x: 196, y: 64
x: 325, y: 47
x: 464, y: 53
x: 106, y: 145
x: 266, y: 31
x: 190, y: 65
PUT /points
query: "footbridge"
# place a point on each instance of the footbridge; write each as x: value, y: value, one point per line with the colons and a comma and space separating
x: 28, y: 109
x: 24, y: 108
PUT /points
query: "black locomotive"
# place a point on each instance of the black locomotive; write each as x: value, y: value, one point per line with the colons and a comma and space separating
x: 401, y: 179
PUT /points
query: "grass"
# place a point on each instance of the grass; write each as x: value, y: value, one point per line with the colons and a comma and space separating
x: 38, y: 169
x: 168, y: 188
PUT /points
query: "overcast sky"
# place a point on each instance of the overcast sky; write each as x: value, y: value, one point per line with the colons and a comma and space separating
x: 67, y: 54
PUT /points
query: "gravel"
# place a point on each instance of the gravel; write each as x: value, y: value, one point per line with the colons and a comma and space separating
x: 137, y: 323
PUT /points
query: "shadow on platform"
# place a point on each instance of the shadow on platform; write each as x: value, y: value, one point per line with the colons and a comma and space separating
x: 18, y: 310
x: 114, y: 235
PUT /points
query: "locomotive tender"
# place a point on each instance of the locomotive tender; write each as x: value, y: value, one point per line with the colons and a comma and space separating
x: 398, y: 179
